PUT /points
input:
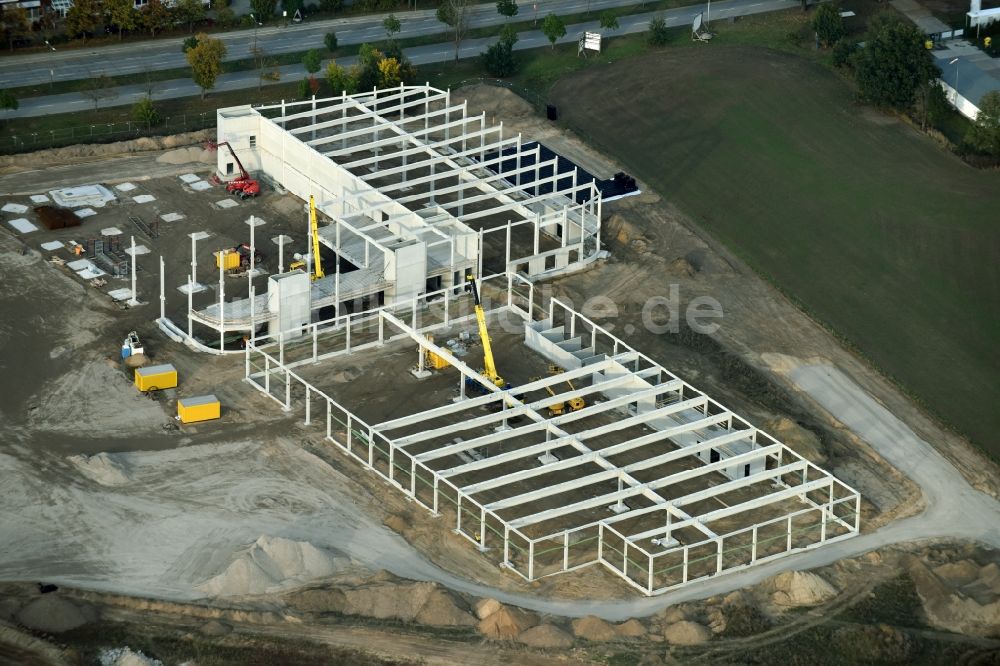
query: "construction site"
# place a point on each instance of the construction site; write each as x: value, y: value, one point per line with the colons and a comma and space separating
x: 388, y: 355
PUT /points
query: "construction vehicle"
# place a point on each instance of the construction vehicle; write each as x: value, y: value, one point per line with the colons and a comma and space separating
x: 132, y: 346
x: 236, y: 260
x: 559, y: 408
x: 575, y: 403
x: 314, y: 226
x: 243, y: 185
x: 489, y: 366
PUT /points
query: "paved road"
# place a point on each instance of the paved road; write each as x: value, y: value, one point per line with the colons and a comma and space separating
x: 419, y: 55
x: 71, y: 64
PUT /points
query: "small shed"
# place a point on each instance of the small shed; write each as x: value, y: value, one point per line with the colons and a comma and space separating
x: 198, y: 408
x: 156, y: 377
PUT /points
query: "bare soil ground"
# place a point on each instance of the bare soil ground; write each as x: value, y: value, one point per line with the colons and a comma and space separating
x: 173, y: 508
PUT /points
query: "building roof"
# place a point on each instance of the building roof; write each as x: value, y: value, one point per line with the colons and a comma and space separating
x: 974, y: 73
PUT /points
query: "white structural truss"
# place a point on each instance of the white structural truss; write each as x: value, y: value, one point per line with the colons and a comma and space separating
x: 413, y: 192
x: 652, y: 478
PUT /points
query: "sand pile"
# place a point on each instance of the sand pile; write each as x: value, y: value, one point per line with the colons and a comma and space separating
x: 54, y: 217
x: 971, y: 609
x: 86, y: 152
x: 546, y: 636
x: 107, y: 469
x: 54, y: 614
x: 686, y: 632
x: 269, y: 564
x: 188, y: 155
x: 800, y: 588
x: 506, y: 623
x: 593, y: 628
x: 126, y: 656
x: 631, y: 629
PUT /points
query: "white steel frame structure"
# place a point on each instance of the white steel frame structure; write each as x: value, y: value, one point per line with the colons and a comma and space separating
x: 653, y: 479
x: 413, y: 192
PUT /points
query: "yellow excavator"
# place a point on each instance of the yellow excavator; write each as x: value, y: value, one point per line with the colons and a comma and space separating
x: 489, y: 366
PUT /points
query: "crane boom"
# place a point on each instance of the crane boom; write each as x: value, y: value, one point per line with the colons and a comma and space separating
x: 243, y: 172
x: 314, y: 226
x: 489, y: 365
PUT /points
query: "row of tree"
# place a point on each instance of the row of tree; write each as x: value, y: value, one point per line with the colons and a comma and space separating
x: 894, y: 69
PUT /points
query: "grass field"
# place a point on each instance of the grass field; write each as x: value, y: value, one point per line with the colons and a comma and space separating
x: 889, y: 240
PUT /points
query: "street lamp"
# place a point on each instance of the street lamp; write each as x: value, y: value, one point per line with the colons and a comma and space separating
x: 954, y: 62
x: 52, y: 72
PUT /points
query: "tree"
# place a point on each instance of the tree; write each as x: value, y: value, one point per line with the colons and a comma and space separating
x: 609, y: 21
x: 190, y: 12
x: 100, y: 88
x: 7, y: 101
x: 507, y: 8
x: 304, y: 90
x: 206, y: 62
x: 498, y: 59
x: 390, y: 72
x: 455, y: 15
x: 154, y: 16
x: 143, y: 111
x: 984, y: 135
x: 224, y: 15
x: 261, y: 61
x: 263, y: 9
x: 933, y: 104
x: 391, y: 25
x: 331, y: 5
x: 330, y: 41
x: 843, y: 49
x: 828, y: 24
x: 894, y: 63
x: 121, y: 14
x: 339, y: 79
x: 189, y: 43
x: 15, y: 24
x: 82, y: 18
x: 508, y: 35
x: 658, y: 33
x: 312, y: 60
x: 553, y: 28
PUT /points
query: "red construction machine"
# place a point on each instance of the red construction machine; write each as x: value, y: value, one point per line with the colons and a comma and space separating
x: 245, y: 186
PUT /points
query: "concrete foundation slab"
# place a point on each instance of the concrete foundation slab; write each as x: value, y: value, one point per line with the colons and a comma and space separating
x: 22, y: 225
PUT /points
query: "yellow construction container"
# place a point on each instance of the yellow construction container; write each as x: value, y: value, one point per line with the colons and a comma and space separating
x: 200, y: 408
x: 229, y: 259
x: 155, y: 377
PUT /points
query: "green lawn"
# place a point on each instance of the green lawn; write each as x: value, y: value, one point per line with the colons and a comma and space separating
x: 888, y: 239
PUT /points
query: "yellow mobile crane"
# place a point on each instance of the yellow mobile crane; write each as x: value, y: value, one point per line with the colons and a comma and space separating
x: 314, y: 225
x: 489, y: 366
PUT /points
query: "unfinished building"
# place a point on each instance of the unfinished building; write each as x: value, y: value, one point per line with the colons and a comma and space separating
x: 414, y: 194
x: 590, y: 452
x: 648, y: 476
